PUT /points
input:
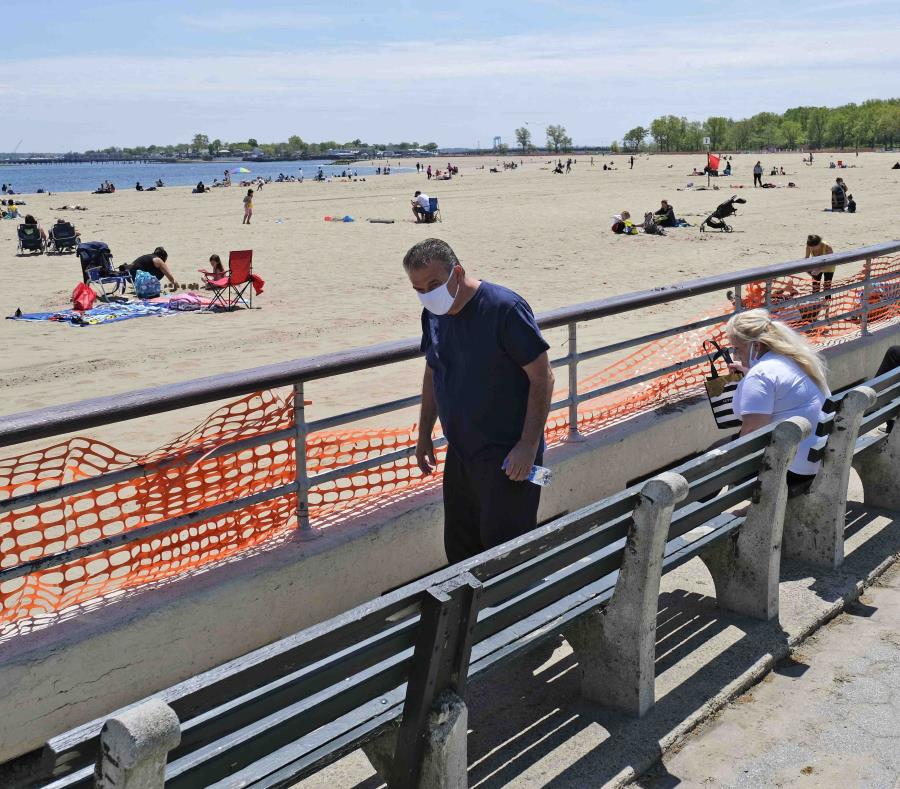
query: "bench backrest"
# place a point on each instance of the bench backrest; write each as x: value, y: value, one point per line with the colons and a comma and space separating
x: 237, y: 713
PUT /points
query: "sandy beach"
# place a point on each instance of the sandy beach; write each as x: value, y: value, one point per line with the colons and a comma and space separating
x: 332, y: 286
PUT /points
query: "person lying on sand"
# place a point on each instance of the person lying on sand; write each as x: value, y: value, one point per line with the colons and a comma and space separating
x: 70, y: 208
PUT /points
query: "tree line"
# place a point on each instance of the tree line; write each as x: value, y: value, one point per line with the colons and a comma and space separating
x: 870, y: 124
x: 202, y: 147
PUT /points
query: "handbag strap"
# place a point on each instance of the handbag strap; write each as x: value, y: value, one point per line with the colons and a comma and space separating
x: 720, y: 353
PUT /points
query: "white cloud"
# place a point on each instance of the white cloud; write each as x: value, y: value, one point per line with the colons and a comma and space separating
x: 246, y: 21
x: 597, y: 83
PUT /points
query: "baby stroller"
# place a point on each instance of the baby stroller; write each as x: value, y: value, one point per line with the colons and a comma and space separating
x: 97, y: 269
x: 716, y: 220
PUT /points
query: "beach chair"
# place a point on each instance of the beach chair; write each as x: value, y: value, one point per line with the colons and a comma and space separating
x: 30, y: 240
x: 236, y: 287
x: 434, y: 211
x: 63, y: 238
x: 97, y: 269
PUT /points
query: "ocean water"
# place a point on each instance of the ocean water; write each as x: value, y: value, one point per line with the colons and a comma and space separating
x: 85, y: 177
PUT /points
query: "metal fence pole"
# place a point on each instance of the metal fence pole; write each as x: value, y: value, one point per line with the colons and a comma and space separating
x: 738, y: 298
x: 769, y: 294
x: 867, y: 290
x: 573, y: 435
x: 304, y: 530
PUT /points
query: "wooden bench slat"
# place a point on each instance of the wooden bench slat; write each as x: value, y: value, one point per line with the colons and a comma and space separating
x: 308, y: 755
x: 520, y: 578
x: 220, y: 758
x: 697, y: 514
x: 679, y: 551
x: 878, y: 418
x: 510, y: 641
x: 259, y: 703
x: 552, y: 589
x: 713, y: 483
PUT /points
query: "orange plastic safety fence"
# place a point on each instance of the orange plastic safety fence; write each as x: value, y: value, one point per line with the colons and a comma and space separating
x: 186, y: 476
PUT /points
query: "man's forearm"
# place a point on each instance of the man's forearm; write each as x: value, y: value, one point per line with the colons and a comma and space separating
x: 428, y: 411
x: 540, y: 393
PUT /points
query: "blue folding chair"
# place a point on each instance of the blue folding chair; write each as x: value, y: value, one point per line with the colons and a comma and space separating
x: 434, y: 211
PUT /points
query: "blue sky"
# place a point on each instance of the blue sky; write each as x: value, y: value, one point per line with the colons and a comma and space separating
x: 92, y: 74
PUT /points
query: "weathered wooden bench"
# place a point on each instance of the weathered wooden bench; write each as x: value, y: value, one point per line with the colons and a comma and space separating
x: 390, y: 676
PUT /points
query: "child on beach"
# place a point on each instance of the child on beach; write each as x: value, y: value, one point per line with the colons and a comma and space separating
x: 248, y: 207
x: 218, y: 270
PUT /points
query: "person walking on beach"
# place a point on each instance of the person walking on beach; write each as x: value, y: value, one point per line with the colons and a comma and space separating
x: 428, y: 173
x: 757, y: 174
x: 631, y: 162
x: 248, y: 207
x: 488, y: 379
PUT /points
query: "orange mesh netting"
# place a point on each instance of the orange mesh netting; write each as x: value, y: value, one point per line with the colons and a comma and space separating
x: 188, y: 474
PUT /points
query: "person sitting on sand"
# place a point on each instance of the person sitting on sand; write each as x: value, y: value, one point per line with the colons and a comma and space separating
x: 421, y: 204
x: 728, y: 167
x: 138, y: 187
x: 218, y: 270
x: 665, y: 217
x: 159, y: 183
x: 896, y: 166
x: 154, y: 263
x: 622, y: 224
x: 200, y: 188
x: 851, y: 205
x: 30, y: 220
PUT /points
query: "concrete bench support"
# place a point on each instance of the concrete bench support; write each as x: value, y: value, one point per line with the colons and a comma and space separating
x: 616, y: 645
x: 814, y: 520
x: 878, y: 467
x: 445, y: 759
x: 745, y: 567
x: 134, y: 746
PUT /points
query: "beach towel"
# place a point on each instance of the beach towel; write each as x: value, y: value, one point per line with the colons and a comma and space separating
x: 103, y: 313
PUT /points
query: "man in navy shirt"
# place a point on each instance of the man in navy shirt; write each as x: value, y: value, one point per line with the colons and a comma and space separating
x: 488, y: 378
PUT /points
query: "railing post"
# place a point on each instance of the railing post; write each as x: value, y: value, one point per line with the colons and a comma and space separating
x: 573, y: 435
x: 738, y: 298
x: 769, y: 294
x: 867, y: 290
x: 304, y: 530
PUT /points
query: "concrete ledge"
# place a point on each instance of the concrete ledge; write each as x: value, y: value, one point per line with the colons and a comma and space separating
x: 118, y: 652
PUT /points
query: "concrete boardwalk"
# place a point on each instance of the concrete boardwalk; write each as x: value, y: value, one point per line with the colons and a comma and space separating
x: 827, y: 716
x: 529, y: 726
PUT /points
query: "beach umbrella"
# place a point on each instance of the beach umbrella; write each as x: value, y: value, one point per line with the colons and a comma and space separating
x: 240, y: 170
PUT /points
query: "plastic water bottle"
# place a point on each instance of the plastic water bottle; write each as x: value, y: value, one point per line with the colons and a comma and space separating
x: 540, y: 475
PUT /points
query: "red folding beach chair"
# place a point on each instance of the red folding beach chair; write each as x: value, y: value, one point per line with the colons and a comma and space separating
x: 236, y: 287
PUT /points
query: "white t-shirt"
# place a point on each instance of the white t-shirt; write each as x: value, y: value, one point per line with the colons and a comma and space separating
x: 423, y: 201
x: 776, y: 385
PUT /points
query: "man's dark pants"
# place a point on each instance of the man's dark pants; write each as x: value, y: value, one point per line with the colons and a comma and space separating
x: 483, y: 507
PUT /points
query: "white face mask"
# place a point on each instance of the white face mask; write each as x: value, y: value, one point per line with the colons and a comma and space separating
x: 439, y: 301
x: 753, y: 354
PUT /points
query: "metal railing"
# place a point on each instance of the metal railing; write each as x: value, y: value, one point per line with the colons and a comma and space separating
x: 58, y: 420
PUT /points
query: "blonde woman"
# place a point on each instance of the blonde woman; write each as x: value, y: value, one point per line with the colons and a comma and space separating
x: 784, y: 376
